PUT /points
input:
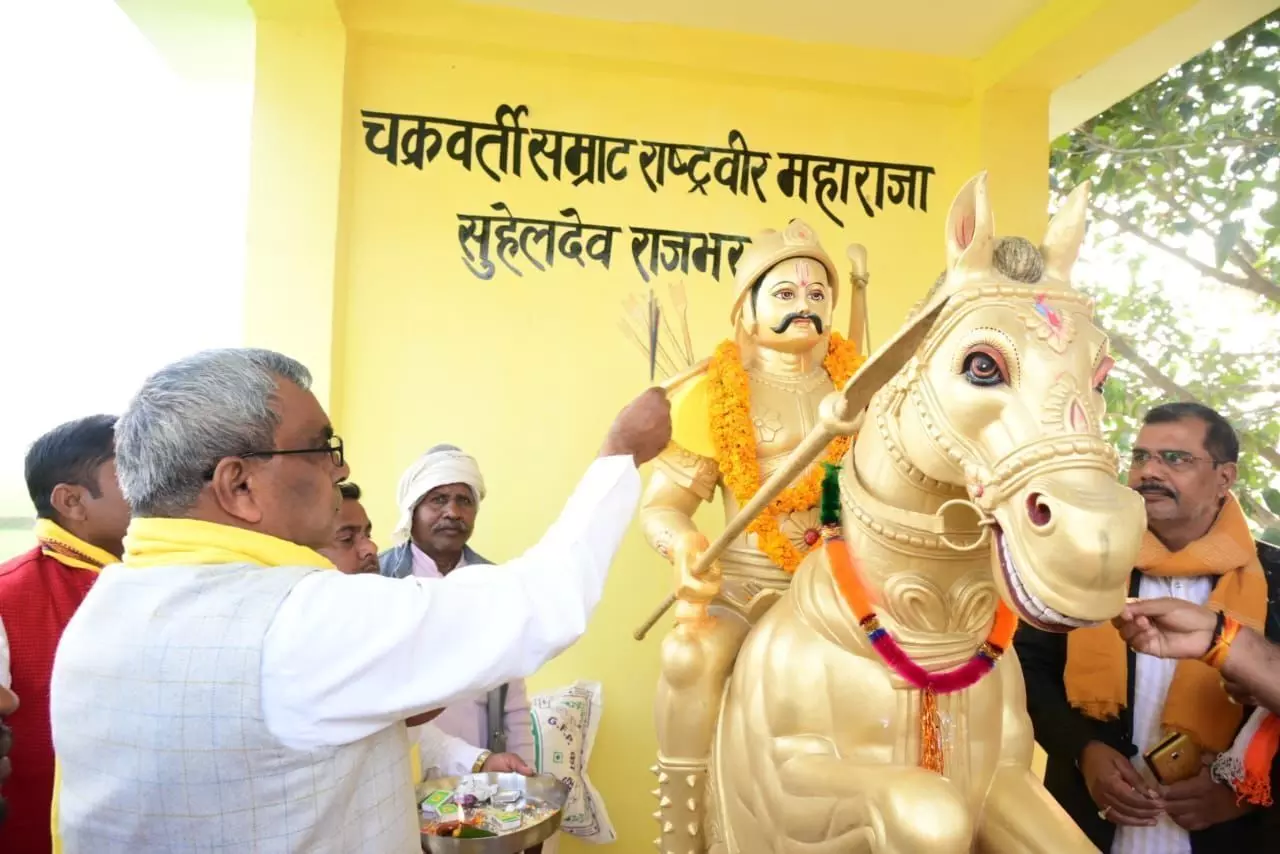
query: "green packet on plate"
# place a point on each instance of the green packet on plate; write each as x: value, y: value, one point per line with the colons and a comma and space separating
x: 436, y: 799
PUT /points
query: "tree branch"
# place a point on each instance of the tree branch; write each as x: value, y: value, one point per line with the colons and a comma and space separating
x: 1158, y: 378
x: 1256, y: 284
x: 1269, y: 454
x: 1256, y: 511
x: 1240, y: 251
x: 1247, y: 142
x: 1153, y: 374
x: 1255, y: 276
x: 1255, y: 388
x: 1247, y: 252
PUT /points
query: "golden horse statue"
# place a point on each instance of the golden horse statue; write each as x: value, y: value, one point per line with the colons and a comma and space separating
x: 878, y: 706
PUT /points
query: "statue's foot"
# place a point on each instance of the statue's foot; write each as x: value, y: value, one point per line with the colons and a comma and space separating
x: 681, y: 794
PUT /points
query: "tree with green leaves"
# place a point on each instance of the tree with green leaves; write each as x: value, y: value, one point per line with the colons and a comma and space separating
x: 1187, y: 172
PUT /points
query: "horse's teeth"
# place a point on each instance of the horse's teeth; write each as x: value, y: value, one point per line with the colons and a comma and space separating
x: 1028, y: 600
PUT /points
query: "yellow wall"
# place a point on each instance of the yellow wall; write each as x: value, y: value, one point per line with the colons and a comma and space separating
x: 526, y: 373
x: 412, y: 349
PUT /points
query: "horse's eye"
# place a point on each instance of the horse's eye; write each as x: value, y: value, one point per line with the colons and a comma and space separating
x: 982, y: 369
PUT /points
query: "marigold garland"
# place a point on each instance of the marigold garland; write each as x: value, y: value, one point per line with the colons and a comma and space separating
x: 733, y: 435
x: 848, y: 578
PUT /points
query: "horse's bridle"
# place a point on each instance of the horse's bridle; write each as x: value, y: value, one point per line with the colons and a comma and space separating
x: 988, y: 485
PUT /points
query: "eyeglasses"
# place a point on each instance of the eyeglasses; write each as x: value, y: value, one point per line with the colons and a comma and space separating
x: 333, y: 448
x: 1174, y: 460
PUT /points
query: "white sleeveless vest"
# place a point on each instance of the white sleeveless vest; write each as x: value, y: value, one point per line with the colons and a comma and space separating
x: 158, y: 728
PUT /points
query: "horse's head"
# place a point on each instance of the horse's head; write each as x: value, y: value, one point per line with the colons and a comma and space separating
x: 1004, y: 398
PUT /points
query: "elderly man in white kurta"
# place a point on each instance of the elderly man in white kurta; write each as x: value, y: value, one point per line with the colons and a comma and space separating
x: 439, y: 498
x: 218, y: 691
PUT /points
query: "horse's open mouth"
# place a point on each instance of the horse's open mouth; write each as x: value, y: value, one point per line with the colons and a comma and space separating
x: 1029, y: 606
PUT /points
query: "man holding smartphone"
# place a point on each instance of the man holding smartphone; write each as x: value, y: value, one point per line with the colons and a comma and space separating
x: 1129, y: 736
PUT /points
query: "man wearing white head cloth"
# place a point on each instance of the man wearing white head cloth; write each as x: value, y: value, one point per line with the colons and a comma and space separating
x: 438, y: 497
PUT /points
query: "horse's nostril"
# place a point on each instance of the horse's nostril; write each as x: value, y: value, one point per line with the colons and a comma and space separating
x: 1038, y: 510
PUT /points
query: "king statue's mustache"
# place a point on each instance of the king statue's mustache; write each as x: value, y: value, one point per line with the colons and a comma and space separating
x: 799, y: 315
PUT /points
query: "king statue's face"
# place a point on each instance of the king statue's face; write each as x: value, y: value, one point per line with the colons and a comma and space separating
x: 790, y: 308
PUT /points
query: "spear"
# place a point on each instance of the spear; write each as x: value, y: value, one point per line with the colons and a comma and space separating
x: 859, y: 327
x: 691, y: 371
x: 839, y: 414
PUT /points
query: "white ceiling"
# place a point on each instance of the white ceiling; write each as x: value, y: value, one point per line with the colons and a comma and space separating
x: 953, y: 28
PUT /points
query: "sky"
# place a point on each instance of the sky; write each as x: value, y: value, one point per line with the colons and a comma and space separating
x: 122, y: 217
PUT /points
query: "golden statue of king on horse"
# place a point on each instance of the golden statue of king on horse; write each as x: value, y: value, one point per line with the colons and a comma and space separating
x: 877, y: 704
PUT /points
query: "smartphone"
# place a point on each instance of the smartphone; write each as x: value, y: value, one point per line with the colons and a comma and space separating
x: 1174, y: 759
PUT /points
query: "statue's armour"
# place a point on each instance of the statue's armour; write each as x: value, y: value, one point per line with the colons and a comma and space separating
x: 783, y: 410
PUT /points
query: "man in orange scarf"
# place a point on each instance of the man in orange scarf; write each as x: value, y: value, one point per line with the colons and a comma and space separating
x: 81, y: 520
x: 1097, y: 707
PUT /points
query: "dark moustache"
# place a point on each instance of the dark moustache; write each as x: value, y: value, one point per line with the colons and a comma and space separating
x: 799, y: 315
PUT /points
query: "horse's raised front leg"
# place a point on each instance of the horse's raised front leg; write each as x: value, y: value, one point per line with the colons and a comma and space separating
x: 1019, y: 815
x: 874, y: 808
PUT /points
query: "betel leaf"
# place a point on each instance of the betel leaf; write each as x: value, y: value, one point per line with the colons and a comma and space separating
x: 1266, y: 38
x: 1271, y: 498
x: 1223, y: 243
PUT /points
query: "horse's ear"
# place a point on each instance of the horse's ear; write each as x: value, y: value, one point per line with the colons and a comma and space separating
x: 970, y: 229
x: 1066, y: 232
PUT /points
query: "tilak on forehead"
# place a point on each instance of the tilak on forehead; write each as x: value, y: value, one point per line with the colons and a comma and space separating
x: 803, y: 272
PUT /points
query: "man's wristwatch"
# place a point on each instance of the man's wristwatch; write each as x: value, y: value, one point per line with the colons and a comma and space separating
x: 480, y: 760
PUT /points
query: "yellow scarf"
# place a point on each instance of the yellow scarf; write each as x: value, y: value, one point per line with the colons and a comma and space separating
x: 152, y: 542
x: 191, y: 542
x: 1096, y: 674
x: 68, y: 549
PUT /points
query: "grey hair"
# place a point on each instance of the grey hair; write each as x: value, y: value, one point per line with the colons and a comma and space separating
x: 189, y: 415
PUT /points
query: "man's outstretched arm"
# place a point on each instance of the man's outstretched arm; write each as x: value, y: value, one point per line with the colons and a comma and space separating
x: 1172, y: 628
x: 1254, y: 663
x: 348, y: 655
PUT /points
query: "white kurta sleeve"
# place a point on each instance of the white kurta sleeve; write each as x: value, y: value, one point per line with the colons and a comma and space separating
x: 6, y: 674
x: 443, y: 755
x: 348, y: 655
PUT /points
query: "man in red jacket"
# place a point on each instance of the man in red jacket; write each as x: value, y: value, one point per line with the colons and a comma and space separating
x: 81, y: 521
x: 8, y: 705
